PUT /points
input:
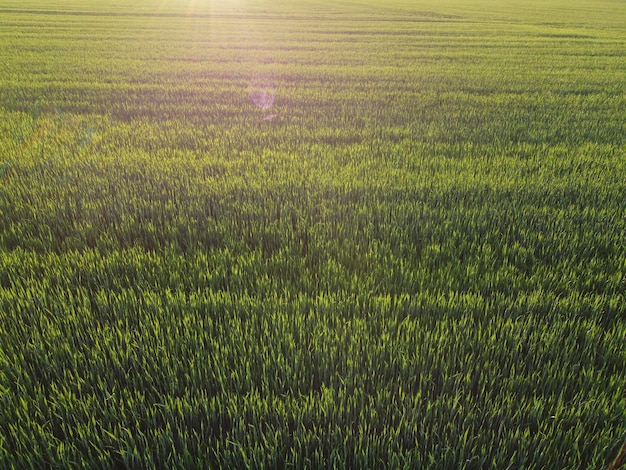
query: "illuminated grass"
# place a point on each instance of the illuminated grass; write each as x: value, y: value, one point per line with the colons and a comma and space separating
x: 416, y: 261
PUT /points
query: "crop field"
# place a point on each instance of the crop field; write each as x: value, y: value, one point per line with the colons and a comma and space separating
x: 312, y: 234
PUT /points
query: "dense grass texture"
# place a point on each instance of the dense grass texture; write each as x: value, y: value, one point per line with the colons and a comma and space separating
x: 303, y: 234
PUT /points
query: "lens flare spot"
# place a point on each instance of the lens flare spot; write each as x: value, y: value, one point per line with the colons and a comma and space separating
x: 262, y: 92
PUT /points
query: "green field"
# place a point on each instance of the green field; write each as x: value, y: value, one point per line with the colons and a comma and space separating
x: 409, y: 253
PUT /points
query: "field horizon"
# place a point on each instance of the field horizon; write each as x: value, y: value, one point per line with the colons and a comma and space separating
x: 272, y: 234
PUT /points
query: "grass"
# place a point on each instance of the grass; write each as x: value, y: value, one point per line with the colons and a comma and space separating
x: 413, y: 259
